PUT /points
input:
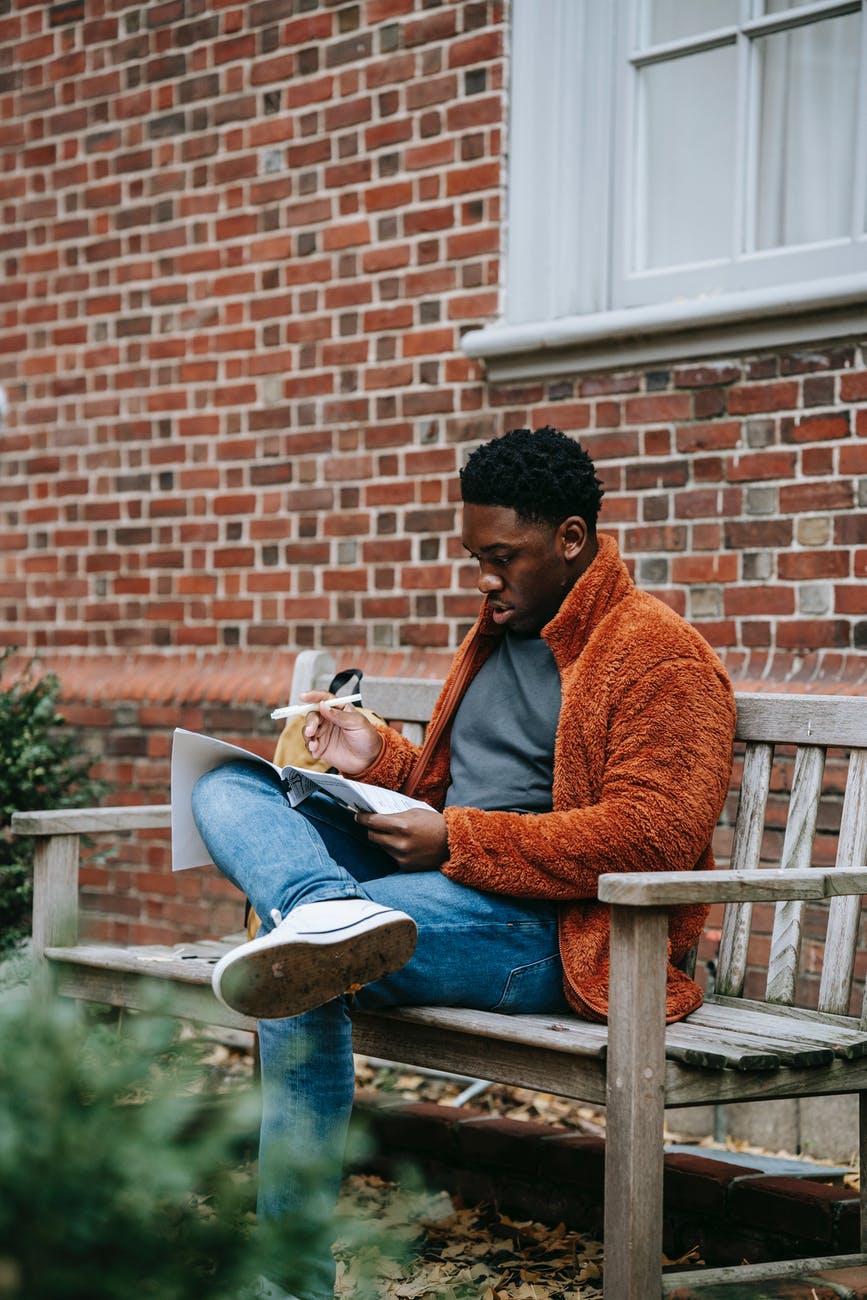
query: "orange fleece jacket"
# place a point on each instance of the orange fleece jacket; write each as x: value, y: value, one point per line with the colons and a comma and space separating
x: 642, y: 764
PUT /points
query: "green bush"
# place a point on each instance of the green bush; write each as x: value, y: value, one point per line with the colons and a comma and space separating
x: 120, y: 1175
x: 42, y: 767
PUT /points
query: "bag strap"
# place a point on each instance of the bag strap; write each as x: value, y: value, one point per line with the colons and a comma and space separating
x: 343, y: 678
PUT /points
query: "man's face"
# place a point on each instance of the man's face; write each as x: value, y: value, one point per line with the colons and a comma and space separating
x: 525, y: 569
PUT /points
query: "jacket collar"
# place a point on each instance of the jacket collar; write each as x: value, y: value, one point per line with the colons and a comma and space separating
x: 604, y: 584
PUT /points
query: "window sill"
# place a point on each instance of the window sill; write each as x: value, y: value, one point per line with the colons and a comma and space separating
x: 675, y: 331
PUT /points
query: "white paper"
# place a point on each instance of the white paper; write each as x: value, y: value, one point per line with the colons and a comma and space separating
x: 353, y: 794
x: 194, y: 754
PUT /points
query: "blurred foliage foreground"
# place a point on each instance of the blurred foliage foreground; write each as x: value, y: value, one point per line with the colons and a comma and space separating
x: 42, y: 767
x: 123, y: 1173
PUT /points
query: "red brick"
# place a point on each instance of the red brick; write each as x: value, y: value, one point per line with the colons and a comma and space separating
x: 431, y: 577
x: 851, y: 599
x: 351, y: 234
x: 817, y: 428
x: 468, y: 180
x: 427, y: 342
x: 758, y: 600
x: 657, y: 406
x: 397, y: 195
x: 749, y: 399
x: 754, y: 466
x: 853, y: 387
x: 799, y: 566
x: 811, y: 634
x: 704, y: 568
x: 810, y: 497
x: 853, y: 459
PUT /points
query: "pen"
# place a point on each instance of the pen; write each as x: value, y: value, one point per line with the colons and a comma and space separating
x: 296, y: 710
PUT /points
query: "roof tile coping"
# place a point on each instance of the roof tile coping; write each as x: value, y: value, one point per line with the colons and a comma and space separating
x: 243, y: 677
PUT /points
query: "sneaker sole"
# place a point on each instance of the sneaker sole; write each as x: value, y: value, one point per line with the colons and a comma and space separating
x: 287, y: 979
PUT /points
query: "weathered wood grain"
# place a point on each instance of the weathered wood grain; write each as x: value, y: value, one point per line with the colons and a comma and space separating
x: 764, y: 1026
x: 93, y: 821
x: 841, y: 939
x: 803, y: 719
x: 797, y: 855
x: 746, y: 851
x: 635, y: 1092
x: 751, y: 1275
x: 395, y: 1037
x: 669, y: 888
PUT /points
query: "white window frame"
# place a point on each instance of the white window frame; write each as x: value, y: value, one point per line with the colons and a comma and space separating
x: 777, y: 298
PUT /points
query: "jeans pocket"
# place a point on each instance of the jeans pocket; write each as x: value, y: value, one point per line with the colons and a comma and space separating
x: 536, y: 987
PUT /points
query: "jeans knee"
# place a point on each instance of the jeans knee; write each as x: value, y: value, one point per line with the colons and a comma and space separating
x: 216, y: 791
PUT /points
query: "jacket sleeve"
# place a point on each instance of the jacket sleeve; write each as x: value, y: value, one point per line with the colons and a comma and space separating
x: 665, y: 775
x: 392, y: 765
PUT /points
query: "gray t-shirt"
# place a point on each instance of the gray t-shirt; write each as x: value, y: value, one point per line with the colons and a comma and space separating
x: 502, y: 742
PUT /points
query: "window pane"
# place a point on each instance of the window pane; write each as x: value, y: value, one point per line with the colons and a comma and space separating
x: 559, y: 153
x: 808, y: 81
x: 672, y: 19
x: 687, y: 159
x: 780, y: 6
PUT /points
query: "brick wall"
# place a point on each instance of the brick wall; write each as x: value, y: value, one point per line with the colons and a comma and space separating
x: 240, y: 244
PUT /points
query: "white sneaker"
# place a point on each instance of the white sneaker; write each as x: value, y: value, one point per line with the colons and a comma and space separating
x: 314, y: 954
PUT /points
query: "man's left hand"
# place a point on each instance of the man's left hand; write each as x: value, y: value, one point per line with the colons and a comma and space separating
x: 417, y: 839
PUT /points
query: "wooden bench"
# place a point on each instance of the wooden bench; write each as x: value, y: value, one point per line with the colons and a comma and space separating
x: 733, y: 1049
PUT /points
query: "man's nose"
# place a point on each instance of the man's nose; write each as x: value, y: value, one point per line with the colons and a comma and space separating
x: 489, y: 581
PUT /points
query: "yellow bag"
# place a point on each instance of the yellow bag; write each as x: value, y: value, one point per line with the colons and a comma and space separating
x: 291, y: 749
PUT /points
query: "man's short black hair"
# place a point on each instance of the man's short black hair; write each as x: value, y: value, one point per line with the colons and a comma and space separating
x: 541, y: 474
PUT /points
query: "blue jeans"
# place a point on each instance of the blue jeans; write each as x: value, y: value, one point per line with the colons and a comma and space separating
x: 485, y: 951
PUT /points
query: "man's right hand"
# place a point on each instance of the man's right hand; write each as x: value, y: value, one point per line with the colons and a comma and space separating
x: 340, y: 736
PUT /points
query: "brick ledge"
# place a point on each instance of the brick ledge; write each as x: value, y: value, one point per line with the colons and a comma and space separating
x: 227, y: 678
x: 731, y: 1212
x: 241, y: 677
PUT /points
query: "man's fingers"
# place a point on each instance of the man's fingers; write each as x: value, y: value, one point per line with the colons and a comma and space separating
x: 381, y: 823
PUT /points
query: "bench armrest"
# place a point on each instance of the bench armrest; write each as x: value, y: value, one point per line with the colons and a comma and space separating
x: 92, y: 821
x: 669, y: 888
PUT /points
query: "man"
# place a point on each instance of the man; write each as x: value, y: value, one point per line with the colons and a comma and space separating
x: 583, y: 728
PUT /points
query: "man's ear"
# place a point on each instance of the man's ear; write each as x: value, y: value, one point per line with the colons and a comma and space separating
x: 575, y: 535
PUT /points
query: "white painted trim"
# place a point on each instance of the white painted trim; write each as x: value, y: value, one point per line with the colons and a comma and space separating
x: 759, y: 318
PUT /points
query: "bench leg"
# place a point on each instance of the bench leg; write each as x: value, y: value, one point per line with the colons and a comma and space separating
x: 55, y: 903
x: 635, y: 1104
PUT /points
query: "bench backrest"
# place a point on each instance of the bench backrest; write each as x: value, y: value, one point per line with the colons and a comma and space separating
x: 783, y: 744
x: 799, y: 731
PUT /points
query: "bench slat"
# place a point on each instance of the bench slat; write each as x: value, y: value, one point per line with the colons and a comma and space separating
x: 802, y: 719
x: 92, y: 821
x: 704, y: 1046
x: 738, y: 1019
x: 835, y: 987
x: 711, y: 1050
x: 745, y: 1051
x: 143, y: 989
x: 188, y: 963
x: 668, y: 888
x: 400, y: 1036
x: 564, y: 1034
x: 746, y: 851
x: 751, y: 1275
x: 400, y: 698
x: 797, y: 855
